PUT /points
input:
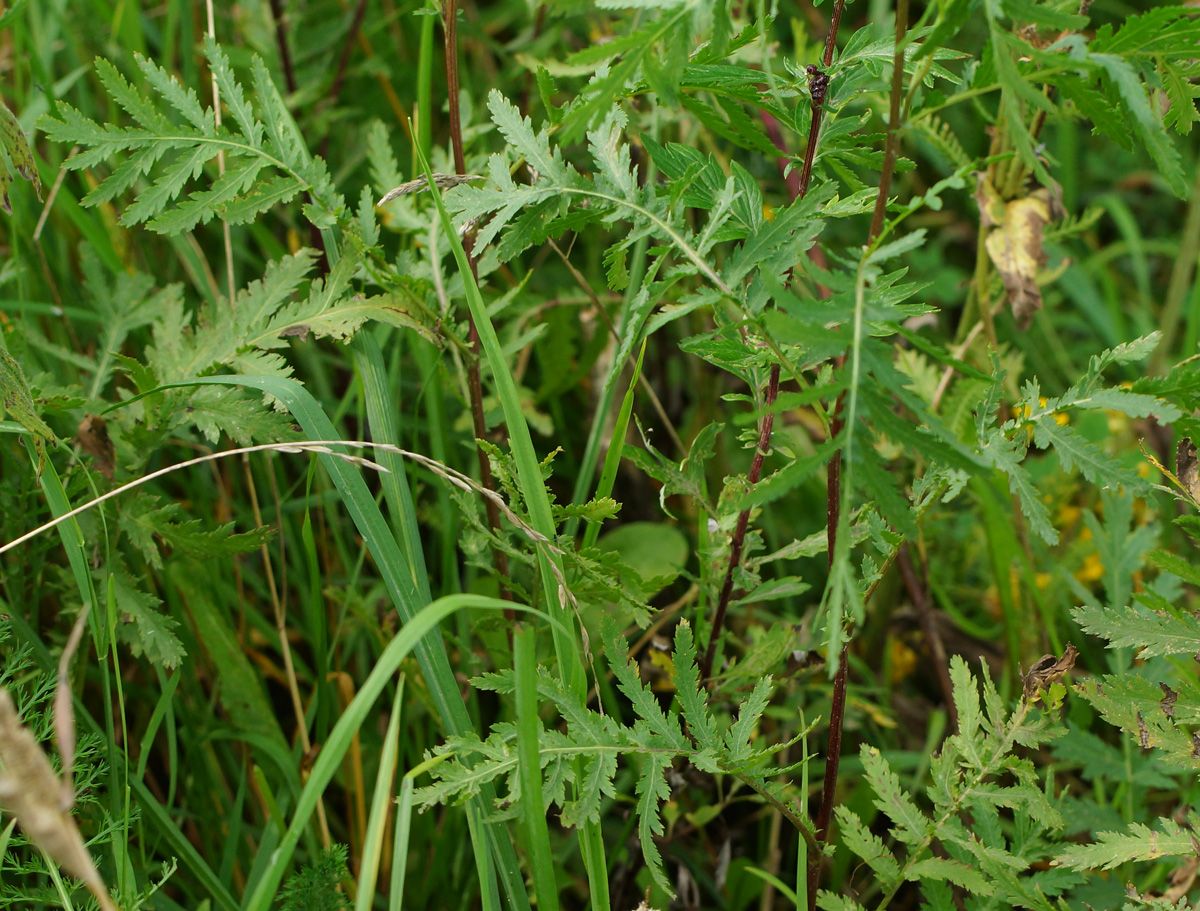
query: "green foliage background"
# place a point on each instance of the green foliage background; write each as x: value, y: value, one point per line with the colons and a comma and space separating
x: 629, y: 278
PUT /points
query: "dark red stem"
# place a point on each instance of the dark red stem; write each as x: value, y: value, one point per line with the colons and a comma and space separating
x: 285, y: 55
x: 474, y: 379
x: 739, y: 533
x: 834, y: 492
x: 797, y: 190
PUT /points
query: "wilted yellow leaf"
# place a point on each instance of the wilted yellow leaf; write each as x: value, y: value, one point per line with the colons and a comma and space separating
x: 1015, y: 243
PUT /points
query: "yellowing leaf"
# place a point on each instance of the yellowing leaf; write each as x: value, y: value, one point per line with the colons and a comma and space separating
x: 1015, y: 243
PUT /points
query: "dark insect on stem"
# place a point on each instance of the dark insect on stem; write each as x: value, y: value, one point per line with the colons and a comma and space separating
x: 818, y: 83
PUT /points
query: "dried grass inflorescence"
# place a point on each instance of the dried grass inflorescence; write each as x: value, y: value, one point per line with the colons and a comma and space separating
x: 32, y: 792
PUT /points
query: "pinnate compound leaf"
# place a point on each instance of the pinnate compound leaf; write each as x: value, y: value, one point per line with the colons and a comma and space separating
x: 628, y: 681
x: 1137, y: 626
x: 831, y: 901
x: 740, y: 732
x: 1139, y: 842
x: 17, y: 402
x: 652, y: 789
x: 266, y: 160
x: 1075, y: 451
x: 687, y: 688
x: 892, y: 799
x: 869, y: 846
x: 953, y: 871
x: 145, y: 628
x: 1005, y: 454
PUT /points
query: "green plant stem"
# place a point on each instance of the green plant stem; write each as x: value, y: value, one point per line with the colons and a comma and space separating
x: 533, y: 813
x: 537, y: 500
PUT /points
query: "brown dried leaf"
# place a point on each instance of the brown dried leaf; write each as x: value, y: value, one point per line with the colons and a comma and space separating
x: 300, y: 331
x: 1143, y: 732
x: 31, y: 792
x: 94, y: 440
x: 1047, y: 670
x: 1187, y: 467
x: 1170, y: 697
x: 1181, y: 878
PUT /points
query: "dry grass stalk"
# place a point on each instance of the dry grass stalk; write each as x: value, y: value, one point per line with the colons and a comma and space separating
x: 31, y: 792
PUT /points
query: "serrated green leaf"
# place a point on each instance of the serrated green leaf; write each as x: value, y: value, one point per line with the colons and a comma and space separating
x: 831, y: 901
x: 17, y: 146
x: 1005, y: 454
x: 652, y: 788
x: 891, y: 798
x: 1173, y: 563
x: 1075, y: 451
x: 1138, y: 843
x: 1153, y: 633
x: 143, y: 627
x: 869, y: 846
x: 16, y: 401
x: 741, y: 731
x: 945, y: 869
x: 687, y: 688
x: 644, y: 702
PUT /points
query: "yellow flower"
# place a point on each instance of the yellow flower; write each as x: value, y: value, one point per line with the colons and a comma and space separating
x: 1091, y: 570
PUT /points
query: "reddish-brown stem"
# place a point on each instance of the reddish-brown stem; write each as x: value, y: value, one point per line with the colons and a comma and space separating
x: 834, y: 491
x: 285, y: 55
x: 289, y: 80
x: 739, y: 534
x: 474, y: 379
x: 343, y: 62
x: 818, y: 99
x: 819, y: 84
x: 918, y: 592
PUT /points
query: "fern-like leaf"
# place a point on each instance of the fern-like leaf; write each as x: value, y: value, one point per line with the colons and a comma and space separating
x: 1139, y: 842
x: 266, y: 160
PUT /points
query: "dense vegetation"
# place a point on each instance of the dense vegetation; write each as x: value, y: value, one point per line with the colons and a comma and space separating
x: 701, y: 454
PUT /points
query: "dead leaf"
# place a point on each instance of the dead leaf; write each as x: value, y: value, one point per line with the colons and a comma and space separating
x: 1047, y: 670
x: 1015, y: 243
x: 1143, y: 732
x: 1187, y: 467
x: 1180, y: 879
x: 300, y: 330
x: 1170, y: 697
x: 93, y: 439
